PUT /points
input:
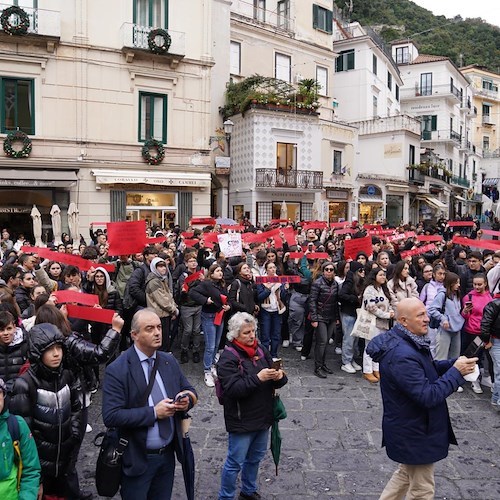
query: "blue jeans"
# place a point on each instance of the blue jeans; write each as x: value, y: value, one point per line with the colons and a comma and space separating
x: 245, y: 452
x: 212, y: 335
x: 348, y: 343
x: 447, y: 345
x: 270, y: 331
x: 495, y: 356
x: 156, y: 482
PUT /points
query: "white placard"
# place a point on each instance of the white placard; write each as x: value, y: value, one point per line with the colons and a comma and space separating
x: 230, y: 244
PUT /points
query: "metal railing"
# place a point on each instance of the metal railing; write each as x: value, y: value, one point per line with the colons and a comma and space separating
x: 460, y: 181
x: 301, y: 179
x: 417, y: 175
x: 136, y: 36
x: 42, y: 21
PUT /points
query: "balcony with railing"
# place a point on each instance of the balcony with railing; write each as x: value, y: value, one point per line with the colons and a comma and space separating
x: 250, y: 12
x: 459, y: 181
x: 446, y: 91
x: 389, y: 124
x: 135, y: 41
x: 441, y: 135
x: 42, y: 22
x: 491, y: 154
x: 295, y: 179
x: 488, y: 120
x: 417, y: 174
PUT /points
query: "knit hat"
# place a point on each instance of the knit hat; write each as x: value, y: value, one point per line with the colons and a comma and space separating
x: 355, y: 266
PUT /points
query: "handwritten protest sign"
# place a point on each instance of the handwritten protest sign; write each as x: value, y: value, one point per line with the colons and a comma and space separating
x: 277, y: 279
x: 90, y: 313
x: 418, y: 250
x: 355, y: 245
x: 230, y: 244
x: 86, y: 299
x: 126, y: 237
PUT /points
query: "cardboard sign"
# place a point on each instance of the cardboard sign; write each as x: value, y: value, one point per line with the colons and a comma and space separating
x: 489, y: 244
x: 429, y: 237
x: 460, y: 223
x: 396, y: 237
x: 418, y: 250
x: 380, y: 232
x: 355, y: 245
x: 277, y: 279
x: 91, y: 313
x: 126, y: 237
x: 86, y: 299
x: 68, y: 259
x: 230, y: 244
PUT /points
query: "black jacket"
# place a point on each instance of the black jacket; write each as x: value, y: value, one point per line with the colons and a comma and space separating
x: 242, y: 295
x: 137, y: 284
x: 466, y: 275
x: 23, y: 298
x: 12, y: 357
x: 348, y: 298
x: 248, y: 402
x: 205, y: 289
x: 323, y: 300
x: 490, y: 324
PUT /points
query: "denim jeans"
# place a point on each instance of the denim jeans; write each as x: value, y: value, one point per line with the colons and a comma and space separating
x: 191, y: 325
x: 212, y: 335
x: 270, y: 331
x: 495, y: 356
x: 447, y: 345
x: 349, y: 344
x: 245, y: 452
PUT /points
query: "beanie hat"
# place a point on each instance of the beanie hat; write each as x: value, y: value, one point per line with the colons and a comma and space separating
x: 356, y: 266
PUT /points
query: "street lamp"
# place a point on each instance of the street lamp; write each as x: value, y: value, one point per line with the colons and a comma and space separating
x: 228, y: 130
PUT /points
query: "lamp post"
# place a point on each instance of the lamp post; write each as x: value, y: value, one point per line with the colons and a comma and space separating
x: 228, y: 130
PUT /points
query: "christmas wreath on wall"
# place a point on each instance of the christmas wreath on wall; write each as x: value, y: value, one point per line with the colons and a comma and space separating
x: 146, y: 151
x: 23, y: 21
x: 163, y: 45
x: 17, y: 136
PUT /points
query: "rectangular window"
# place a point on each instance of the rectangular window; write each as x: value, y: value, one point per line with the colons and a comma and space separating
x: 284, y: 14
x: 344, y: 61
x: 486, y: 109
x: 18, y: 105
x: 486, y: 143
x: 259, y: 10
x: 152, y: 117
x: 489, y: 85
x: 337, y: 162
x: 428, y: 125
x: 397, y: 92
x: 411, y: 155
x: 375, y: 106
x: 286, y: 157
x: 235, y: 58
x: 283, y: 67
x: 389, y: 80
x: 402, y: 55
x: 153, y: 13
x: 322, y: 79
x: 322, y: 19
x: 374, y: 64
x: 426, y: 84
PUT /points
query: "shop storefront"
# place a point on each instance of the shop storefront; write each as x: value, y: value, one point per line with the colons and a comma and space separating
x: 431, y: 208
x: 371, y: 204
x: 338, y: 205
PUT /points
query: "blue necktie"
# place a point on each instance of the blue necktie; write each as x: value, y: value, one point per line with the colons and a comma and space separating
x: 164, y: 425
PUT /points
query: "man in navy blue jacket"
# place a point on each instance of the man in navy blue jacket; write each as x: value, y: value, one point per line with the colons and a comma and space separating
x: 153, y: 430
x: 416, y: 425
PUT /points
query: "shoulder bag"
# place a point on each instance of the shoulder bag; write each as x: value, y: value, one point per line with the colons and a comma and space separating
x: 365, y: 326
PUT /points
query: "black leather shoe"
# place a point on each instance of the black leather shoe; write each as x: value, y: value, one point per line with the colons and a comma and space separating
x: 253, y: 496
x: 196, y: 357
x: 85, y: 495
x: 319, y: 373
x: 184, y: 357
x: 326, y: 370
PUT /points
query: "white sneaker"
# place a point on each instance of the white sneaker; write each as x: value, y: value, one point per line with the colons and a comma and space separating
x: 88, y: 428
x: 213, y: 371
x: 348, y: 368
x: 486, y: 381
x: 209, y: 380
x: 338, y: 350
x: 298, y: 348
x: 217, y: 356
x: 460, y: 389
x: 330, y: 341
x: 476, y: 387
x: 303, y: 358
x: 286, y: 343
x: 356, y: 366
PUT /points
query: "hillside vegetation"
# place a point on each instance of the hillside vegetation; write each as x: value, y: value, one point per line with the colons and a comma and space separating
x: 465, y: 41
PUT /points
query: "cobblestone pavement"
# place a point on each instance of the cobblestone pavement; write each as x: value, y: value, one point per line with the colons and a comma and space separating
x: 331, y: 441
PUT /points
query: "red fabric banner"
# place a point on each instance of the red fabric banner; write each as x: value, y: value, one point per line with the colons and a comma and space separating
x: 372, y: 226
x: 317, y: 255
x: 203, y: 221
x: 490, y: 232
x: 193, y: 277
x: 344, y: 231
x: 191, y: 243
x: 429, y: 237
x: 187, y: 235
x: 290, y: 235
x: 380, y: 232
x: 396, y: 237
x: 220, y: 314
x: 86, y: 299
x: 355, y: 245
x: 418, y: 250
x: 126, y: 237
x: 339, y: 224
x: 90, y: 313
x: 233, y: 228
x: 277, y: 279
x: 489, y: 244
x: 152, y: 241
x: 296, y: 255
x: 314, y: 224
x: 460, y: 223
x: 278, y: 221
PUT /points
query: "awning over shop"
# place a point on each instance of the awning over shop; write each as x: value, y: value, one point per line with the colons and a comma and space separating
x: 28, y: 178
x: 156, y: 178
x: 459, y: 198
x: 433, y: 202
x: 370, y: 198
x: 492, y: 181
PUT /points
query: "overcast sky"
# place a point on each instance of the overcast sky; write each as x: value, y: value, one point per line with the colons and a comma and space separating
x: 489, y: 10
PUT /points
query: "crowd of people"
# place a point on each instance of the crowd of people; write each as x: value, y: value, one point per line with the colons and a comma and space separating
x: 183, y: 298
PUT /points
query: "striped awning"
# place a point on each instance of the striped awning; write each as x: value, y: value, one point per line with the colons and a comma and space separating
x: 370, y: 198
x: 492, y: 181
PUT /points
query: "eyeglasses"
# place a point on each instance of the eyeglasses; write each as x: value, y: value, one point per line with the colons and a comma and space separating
x: 329, y: 269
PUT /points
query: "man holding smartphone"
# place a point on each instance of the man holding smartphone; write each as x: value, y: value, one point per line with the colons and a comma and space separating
x: 416, y: 425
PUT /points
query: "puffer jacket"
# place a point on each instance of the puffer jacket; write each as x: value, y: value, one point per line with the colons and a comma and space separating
x: 406, y: 289
x: 12, y: 357
x: 348, y: 299
x: 416, y: 424
x: 205, y: 289
x: 182, y: 293
x: 114, y: 301
x: 242, y: 295
x: 49, y: 402
x: 23, y: 298
x: 490, y: 324
x: 136, y: 284
x: 323, y: 300
x: 248, y: 402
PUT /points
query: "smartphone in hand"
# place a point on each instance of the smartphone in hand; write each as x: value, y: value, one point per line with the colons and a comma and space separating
x: 277, y: 364
x: 474, y: 349
x: 180, y: 396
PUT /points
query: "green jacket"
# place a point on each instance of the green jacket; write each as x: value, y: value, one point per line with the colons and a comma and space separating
x: 30, y: 479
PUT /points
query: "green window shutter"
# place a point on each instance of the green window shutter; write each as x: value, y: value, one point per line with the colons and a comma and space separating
x: 118, y: 206
x: 329, y: 22
x: 185, y: 208
x: 350, y: 59
x: 315, y: 16
x: 434, y: 120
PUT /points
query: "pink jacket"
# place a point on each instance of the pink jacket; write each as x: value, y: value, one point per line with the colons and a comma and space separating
x: 473, y: 319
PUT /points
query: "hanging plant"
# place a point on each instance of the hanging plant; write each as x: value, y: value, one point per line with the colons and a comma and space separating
x: 17, y: 136
x: 146, y: 151
x: 163, y: 46
x: 23, y: 21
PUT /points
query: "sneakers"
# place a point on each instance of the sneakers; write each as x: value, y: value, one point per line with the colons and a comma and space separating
x: 252, y: 496
x: 298, y: 348
x: 348, y: 368
x: 213, y: 371
x: 319, y: 373
x: 476, y: 387
x: 286, y: 343
x: 330, y: 341
x: 356, y: 366
x: 338, y: 350
x: 184, y: 357
x: 88, y: 428
x: 196, y: 357
x: 217, y: 356
x: 486, y: 381
x: 495, y: 405
x: 460, y: 389
x: 209, y: 379
x: 303, y: 358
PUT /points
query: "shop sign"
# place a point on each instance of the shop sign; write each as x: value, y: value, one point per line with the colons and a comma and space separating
x: 371, y: 190
x: 15, y: 210
x: 27, y: 183
x: 334, y: 194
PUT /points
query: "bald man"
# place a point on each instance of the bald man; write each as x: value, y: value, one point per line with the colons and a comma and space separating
x: 416, y: 425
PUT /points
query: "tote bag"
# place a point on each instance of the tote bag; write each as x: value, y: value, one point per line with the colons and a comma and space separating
x: 365, y: 326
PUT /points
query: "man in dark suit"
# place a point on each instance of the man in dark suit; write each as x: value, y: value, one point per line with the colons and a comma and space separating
x: 154, y: 429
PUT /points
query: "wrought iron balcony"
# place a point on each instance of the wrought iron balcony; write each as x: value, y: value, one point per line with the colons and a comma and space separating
x: 296, y: 179
x: 43, y: 22
x: 460, y: 181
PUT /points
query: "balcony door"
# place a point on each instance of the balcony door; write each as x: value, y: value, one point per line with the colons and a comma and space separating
x: 153, y: 13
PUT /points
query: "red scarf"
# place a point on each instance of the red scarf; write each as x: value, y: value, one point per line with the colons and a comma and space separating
x: 251, y: 350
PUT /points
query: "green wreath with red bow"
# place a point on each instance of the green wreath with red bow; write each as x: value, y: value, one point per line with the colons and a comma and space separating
x: 13, y: 137
x: 21, y: 28
x: 146, y: 151
x: 164, y: 45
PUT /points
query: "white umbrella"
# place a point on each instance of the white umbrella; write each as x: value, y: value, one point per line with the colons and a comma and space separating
x: 37, y: 226
x: 315, y: 211
x: 284, y: 211
x: 55, y: 212
x: 74, y: 223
